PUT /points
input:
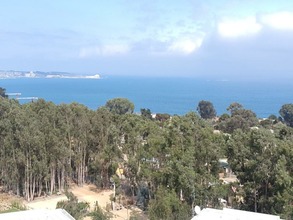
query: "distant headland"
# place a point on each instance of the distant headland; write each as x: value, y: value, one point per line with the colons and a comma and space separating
x: 11, y: 74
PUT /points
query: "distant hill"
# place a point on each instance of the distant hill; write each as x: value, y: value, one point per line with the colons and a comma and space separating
x: 6, y: 74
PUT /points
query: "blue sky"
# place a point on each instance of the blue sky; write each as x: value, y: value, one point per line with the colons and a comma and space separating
x: 222, y: 39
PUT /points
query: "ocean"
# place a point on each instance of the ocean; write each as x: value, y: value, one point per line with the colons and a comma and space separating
x: 160, y: 95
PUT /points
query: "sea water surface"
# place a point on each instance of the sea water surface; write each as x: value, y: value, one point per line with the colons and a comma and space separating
x: 160, y: 95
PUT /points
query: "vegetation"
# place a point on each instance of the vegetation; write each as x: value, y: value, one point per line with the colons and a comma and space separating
x: 239, y: 118
x: 78, y: 210
x: 120, y: 106
x: 206, y: 110
x: 15, y: 206
x: 3, y: 93
x: 287, y: 114
x: 170, y: 163
x: 99, y: 214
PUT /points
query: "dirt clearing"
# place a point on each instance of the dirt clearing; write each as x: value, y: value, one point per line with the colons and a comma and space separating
x: 87, y: 193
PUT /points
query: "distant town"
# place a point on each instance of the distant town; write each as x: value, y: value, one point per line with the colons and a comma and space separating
x: 11, y: 74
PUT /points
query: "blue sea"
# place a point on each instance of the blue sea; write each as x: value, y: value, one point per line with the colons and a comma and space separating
x: 160, y: 95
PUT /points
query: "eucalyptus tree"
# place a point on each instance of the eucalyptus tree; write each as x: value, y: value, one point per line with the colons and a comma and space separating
x: 3, y: 93
x: 240, y: 118
x: 134, y: 131
x: 45, y: 114
x: 188, y: 159
x: 198, y: 154
x: 167, y: 206
x: 286, y: 112
x: 104, y: 143
x: 30, y: 141
x: 206, y: 109
x: 146, y: 113
x: 10, y: 175
x: 263, y: 164
x: 120, y: 106
x: 79, y: 127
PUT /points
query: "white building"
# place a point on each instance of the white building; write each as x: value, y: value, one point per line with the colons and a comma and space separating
x: 232, y: 214
x: 38, y: 214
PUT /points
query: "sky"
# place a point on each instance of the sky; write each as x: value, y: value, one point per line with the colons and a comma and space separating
x: 216, y: 39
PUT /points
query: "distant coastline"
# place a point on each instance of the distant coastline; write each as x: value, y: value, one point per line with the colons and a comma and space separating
x: 12, y: 74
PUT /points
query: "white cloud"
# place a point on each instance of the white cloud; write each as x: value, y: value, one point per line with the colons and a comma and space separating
x: 279, y: 20
x: 106, y: 50
x: 185, y: 46
x: 238, y: 28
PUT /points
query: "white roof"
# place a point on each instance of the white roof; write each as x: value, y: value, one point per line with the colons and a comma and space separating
x: 232, y: 214
x: 38, y: 214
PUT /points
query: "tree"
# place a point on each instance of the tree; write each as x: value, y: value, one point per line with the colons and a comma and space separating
x: 99, y: 213
x: 120, y: 106
x: 240, y: 119
x: 77, y: 209
x: 206, y: 109
x: 287, y: 114
x: 233, y: 107
x: 3, y: 93
x: 162, y: 117
x: 167, y: 206
x: 263, y: 165
x: 146, y: 113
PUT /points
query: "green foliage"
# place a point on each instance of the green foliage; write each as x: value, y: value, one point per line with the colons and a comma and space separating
x: 120, y: 106
x: 3, y: 93
x: 146, y: 113
x: 77, y: 210
x: 262, y: 164
x: 234, y: 107
x: 167, y: 206
x: 206, y: 109
x: 99, y: 214
x: 18, y: 205
x: 287, y: 114
x: 45, y: 146
x: 15, y: 207
x: 162, y: 117
x: 135, y: 215
x: 240, y: 118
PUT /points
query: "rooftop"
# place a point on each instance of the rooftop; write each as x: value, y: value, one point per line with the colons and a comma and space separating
x: 38, y: 214
x: 232, y: 214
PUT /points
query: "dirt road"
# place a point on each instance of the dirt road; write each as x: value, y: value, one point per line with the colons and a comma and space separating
x: 87, y: 193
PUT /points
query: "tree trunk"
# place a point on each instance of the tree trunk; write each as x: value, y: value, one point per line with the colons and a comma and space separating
x: 52, y: 185
x: 27, y: 182
x: 59, y: 178
x: 40, y: 188
x: 62, y: 179
x: 83, y: 166
x: 255, y: 201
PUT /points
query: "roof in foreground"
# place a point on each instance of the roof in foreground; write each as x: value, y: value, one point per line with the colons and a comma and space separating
x: 232, y: 214
x: 38, y: 214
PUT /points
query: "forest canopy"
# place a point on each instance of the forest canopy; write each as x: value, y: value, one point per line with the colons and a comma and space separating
x: 170, y: 164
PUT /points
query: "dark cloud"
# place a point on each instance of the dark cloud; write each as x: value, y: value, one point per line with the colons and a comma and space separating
x: 266, y: 54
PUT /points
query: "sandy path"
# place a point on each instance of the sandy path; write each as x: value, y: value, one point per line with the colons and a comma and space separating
x: 45, y: 203
x: 87, y: 193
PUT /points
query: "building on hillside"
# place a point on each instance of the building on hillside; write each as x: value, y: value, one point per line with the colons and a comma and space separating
x: 226, y: 174
x: 38, y: 214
